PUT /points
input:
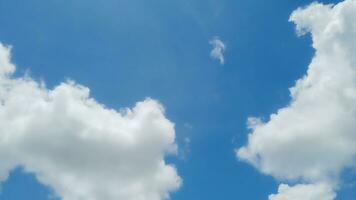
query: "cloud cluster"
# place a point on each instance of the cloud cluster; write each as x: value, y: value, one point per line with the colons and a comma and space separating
x: 80, y: 148
x: 218, y: 50
x: 313, y: 138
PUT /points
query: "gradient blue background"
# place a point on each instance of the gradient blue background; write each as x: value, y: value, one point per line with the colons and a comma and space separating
x: 126, y: 50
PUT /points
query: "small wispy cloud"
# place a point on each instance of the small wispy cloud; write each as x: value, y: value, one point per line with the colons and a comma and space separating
x: 218, y: 49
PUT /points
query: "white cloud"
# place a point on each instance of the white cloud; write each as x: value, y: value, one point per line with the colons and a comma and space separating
x: 6, y: 67
x: 218, y: 50
x: 80, y: 148
x: 304, y: 192
x: 313, y: 138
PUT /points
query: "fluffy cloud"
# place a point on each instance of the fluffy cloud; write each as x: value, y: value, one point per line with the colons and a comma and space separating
x: 80, y: 148
x: 6, y: 67
x: 304, y: 192
x: 313, y: 138
x: 218, y: 50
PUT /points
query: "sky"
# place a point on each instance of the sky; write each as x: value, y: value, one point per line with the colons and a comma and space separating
x: 181, y: 100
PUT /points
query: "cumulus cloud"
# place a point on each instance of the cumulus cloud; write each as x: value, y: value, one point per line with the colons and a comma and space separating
x: 313, y: 138
x: 304, y: 192
x: 218, y: 50
x: 80, y: 148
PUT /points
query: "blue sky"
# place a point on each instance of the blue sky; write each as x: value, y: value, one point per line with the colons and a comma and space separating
x: 125, y: 51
